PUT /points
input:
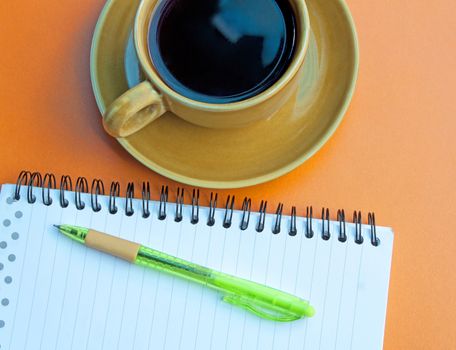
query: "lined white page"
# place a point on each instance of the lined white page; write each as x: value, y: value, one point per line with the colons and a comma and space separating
x: 58, y: 294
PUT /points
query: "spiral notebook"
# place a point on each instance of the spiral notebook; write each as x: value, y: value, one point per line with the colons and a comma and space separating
x: 57, y: 294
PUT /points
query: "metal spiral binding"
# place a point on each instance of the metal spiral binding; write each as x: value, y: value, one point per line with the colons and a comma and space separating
x: 373, y: 228
x: 48, y: 182
x: 342, y: 227
x: 39, y: 183
x: 145, y: 195
x: 80, y: 187
x: 278, y: 219
x: 358, y: 229
x: 246, y: 208
x: 195, y: 206
x: 229, y: 208
x: 129, y: 211
x: 65, y: 185
x: 262, y: 218
x: 114, y: 192
x: 179, y: 205
x: 293, y: 231
x: 96, y: 190
x: 212, y: 207
x: 309, y: 228
x: 163, y: 201
x: 22, y: 179
x: 325, y: 231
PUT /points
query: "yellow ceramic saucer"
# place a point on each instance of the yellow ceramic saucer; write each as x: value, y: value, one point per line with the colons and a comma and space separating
x: 234, y: 157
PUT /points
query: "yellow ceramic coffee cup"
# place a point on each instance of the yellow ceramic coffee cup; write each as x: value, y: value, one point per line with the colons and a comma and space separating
x: 151, y: 98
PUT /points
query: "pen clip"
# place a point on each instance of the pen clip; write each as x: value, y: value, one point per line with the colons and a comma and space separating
x: 262, y: 312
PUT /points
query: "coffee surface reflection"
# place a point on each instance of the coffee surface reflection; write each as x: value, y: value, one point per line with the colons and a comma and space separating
x: 221, y: 51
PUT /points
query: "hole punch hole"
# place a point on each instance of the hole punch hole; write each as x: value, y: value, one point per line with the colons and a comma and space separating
x: 359, y: 240
x: 3, y: 245
x: 18, y: 214
x: 10, y: 200
x: 6, y: 222
x: 342, y: 239
x: 15, y: 236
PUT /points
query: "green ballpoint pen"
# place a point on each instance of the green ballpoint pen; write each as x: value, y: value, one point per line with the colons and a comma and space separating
x: 263, y: 301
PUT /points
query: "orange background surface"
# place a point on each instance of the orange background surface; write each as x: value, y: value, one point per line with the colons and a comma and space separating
x: 394, y: 153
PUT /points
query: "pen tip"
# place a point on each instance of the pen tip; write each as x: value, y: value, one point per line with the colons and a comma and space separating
x: 58, y: 226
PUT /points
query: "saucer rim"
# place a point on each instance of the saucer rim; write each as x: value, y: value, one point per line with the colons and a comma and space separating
x: 233, y: 183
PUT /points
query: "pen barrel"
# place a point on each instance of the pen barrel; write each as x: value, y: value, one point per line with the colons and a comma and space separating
x: 252, y: 295
x: 155, y: 259
x: 262, y: 300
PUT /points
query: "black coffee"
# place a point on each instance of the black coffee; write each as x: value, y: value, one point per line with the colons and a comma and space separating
x: 221, y: 51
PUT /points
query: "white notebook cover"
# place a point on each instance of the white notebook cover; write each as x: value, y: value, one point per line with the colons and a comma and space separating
x: 58, y: 294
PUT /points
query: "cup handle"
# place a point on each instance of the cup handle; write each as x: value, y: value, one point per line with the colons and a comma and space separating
x: 133, y: 110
